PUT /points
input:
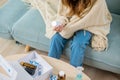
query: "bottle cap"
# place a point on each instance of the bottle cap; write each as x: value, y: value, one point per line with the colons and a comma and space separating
x: 54, y: 23
x: 61, y: 73
x: 80, y: 69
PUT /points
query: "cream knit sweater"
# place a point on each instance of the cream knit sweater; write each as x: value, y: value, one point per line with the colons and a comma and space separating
x: 95, y: 18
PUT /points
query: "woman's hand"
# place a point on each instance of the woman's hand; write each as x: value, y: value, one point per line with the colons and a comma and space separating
x: 58, y: 28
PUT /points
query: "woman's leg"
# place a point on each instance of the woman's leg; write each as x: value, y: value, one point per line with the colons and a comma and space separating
x: 57, y: 45
x: 80, y: 40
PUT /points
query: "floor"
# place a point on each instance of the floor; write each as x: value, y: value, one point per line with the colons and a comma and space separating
x: 9, y: 47
x: 2, y: 2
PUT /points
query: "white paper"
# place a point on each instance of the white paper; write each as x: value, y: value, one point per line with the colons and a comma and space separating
x: 8, y: 69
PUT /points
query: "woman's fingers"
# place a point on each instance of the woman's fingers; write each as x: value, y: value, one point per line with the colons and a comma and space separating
x: 58, y: 28
x: 55, y: 28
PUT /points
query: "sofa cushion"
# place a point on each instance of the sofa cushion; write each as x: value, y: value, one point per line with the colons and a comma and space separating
x: 114, y: 6
x: 30, y: 29
x: 9, y: 14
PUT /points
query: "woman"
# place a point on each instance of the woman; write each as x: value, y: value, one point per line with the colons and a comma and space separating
x: 79, y: 20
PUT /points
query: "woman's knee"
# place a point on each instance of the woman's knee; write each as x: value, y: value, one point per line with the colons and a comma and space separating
x: 58, y: 40
x: 81, y: 38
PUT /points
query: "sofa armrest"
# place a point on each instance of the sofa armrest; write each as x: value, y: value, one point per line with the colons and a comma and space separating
x: 12, y: 11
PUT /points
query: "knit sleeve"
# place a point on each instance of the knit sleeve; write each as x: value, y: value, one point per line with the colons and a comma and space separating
x: 61, y: 14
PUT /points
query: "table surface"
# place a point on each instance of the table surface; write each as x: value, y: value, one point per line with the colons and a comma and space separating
x: 57, y: 65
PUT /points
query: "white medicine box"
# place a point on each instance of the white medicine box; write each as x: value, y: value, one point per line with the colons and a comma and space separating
x: 46, y: 70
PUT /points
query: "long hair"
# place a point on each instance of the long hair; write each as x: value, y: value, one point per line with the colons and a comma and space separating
x: 76, y: 6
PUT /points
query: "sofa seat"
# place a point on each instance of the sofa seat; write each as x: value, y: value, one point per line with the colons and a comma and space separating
x: 31, y: 30
x: 9, y: 14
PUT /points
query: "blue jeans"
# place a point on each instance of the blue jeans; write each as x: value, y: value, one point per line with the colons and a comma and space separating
x: 78, y: 45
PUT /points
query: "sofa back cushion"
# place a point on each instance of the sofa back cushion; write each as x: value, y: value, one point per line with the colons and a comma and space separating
x: 114, y: 6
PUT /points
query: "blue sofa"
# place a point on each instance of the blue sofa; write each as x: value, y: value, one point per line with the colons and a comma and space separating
x: 24, y: 24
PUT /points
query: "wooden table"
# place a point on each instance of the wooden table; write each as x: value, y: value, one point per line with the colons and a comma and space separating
x: 57, y: 65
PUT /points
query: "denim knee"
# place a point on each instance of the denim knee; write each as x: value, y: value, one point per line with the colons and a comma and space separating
x: 56, y: 46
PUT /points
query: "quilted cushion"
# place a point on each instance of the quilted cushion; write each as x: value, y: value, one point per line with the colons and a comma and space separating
x: 30, y: 29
